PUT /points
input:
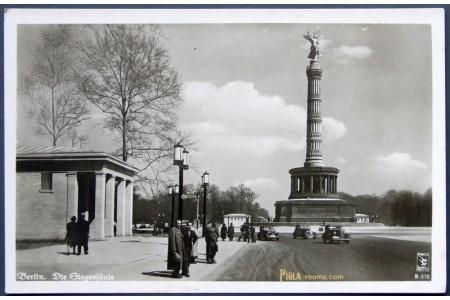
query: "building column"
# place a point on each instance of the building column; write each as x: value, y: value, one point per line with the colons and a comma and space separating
x: 121, y: 196
x: 335, y: 184
x: 303, y: 184
x: 328, y: 184
x: 320, y: 184
x: 109, y: 205
x: 98, y: 224
x: 311, y: 184
x: 129, y: 208
x: 72, y: 195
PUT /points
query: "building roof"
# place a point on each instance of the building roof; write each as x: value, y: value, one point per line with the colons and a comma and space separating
x: 60, y: 159
x: 236, y: 215
x: 50, y: 150
x: 361, y: 215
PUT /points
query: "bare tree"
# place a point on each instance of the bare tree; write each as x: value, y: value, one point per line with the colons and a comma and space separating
x: 127, y: 75
x: 55, y: 106
x: 76, y: 138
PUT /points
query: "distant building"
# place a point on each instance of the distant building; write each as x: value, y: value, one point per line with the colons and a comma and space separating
x: 237, y: 219
x: 55, y: 183
x: 362, y: 218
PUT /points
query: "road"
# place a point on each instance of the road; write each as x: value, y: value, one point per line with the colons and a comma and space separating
x: 366, y: 258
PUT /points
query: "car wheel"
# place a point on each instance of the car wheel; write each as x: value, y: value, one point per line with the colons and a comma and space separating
x: 348, y: 242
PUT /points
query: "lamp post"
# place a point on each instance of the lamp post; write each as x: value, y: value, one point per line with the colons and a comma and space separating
x: 180, y: 159
x: 205, y: 183
x: 173, y: 190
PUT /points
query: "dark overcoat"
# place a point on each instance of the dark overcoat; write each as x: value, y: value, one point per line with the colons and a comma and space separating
x: 176, y: 245
x: 230, y: 231
x: 83, y: 231
x: 223, y: 232
x: 211, y: 241
x: 72, y: 234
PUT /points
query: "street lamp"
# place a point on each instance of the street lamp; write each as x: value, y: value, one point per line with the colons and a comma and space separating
x: 173, y: 190
x: 205, y: 183
x: 180, y: 159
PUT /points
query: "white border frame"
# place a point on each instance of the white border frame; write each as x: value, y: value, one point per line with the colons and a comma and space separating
x: 433, y: 17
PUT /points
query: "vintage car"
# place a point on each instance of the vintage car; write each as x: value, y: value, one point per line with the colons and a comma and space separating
x: 303, y: 232
x: 335, y: 235
x: 267, y: 233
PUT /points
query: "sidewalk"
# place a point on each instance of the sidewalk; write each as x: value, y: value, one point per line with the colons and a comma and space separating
x: 132, y: 258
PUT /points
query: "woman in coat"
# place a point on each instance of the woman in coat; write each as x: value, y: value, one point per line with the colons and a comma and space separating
x: 72, y: 234
x: 223, y: 232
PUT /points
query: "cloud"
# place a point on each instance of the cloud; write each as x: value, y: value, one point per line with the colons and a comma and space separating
x: 238, y: 117
x: 261, y: 183
x: 345, y: 53
x: 398, y: 163
x: 332, y: 129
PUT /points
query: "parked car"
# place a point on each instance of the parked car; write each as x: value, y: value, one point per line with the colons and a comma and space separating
x: 267, y: 233
x: 303, y: 232
x: 335, y: 235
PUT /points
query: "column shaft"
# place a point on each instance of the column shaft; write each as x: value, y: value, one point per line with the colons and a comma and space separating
x: 98, y: 224
x: 109, y: 205
x: 129, y: 208
x: 121, y: 196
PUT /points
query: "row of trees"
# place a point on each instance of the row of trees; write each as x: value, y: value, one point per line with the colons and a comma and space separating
x: 405, y: 208
x: 123, y: 71
x: 238, y: 199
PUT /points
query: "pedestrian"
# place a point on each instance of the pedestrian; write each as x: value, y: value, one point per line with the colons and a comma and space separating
x: 175, y: 250
x: 230, y: 232
x: 71, y: 235
x: 223, y: 232
x: 189, y: 239
x: 83, y: 234
x: 242, y: 232
x: 246, y: 232
x: 194, y: 251
x: 115, y: 229
x: 211, y: 243
x: 252, y: 234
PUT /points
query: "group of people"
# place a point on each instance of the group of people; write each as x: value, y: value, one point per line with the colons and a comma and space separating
x: 247, y: 233
x: 77, y: 235
x: 182, y: 249
x: 183, y: 243
x: 224, y: 232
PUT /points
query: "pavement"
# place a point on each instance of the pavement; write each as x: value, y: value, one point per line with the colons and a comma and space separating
x: 144, y: 257
x: 134, y: 258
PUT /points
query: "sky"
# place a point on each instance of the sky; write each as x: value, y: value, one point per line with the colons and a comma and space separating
x: 244, y: 104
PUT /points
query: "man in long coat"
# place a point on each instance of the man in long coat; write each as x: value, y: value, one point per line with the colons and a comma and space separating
x: 231, y: 232
x: 176, y: 250
x: 211, y: 243
x: 83, y: 234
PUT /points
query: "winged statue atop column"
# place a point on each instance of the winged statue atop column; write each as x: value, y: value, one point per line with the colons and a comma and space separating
x: 314, y: 40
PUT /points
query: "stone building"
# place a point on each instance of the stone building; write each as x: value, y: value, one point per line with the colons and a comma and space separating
x: 314, y: 194
x: 54, y: 183
x: 237, y: 219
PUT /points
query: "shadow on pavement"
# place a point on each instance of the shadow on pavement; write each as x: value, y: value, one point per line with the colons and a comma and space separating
x: 158, y: 273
